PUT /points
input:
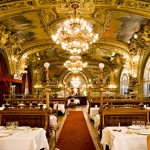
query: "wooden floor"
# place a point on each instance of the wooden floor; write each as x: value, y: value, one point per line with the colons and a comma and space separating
x: 93, y: 131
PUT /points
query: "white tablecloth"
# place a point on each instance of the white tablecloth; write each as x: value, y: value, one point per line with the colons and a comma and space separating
x: 148, y: 108
x: 53, y: 120
x: 76, y: 101
x: 93, y: 112
x: 123, y: 140
x: 34, y: 139
x: 96, y: 121
x: 61, y: 107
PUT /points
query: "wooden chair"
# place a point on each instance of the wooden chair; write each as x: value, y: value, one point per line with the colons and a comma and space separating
x: 72, y: 104
x: 148, y: 142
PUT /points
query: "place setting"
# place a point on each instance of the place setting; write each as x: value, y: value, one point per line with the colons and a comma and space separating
x: 13, y: 127
x: 139, y: 127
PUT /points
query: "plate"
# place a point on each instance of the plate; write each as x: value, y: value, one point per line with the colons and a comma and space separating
x: 2, y: 127
x: 144, y: 133
x: 22, y: 128
x: 134, y: 127
x: 4, y: 134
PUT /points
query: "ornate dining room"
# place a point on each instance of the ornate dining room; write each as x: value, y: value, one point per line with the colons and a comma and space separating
x: 74, y: 74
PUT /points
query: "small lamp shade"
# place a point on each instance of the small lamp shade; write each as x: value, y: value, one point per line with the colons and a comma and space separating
x: 46, y: 65
x: 101, y: 65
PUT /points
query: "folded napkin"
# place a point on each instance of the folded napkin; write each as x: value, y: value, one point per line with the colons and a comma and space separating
x: 2, y: 127
x: 129, y: 132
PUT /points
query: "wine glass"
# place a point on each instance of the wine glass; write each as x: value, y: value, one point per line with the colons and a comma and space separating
x: 142, y: 124
x: 138, y: 123
x: 8, y: 124
x: 16, y: 123
x: 147, y: 125
x: 13, y: 124
x: 133, y: 123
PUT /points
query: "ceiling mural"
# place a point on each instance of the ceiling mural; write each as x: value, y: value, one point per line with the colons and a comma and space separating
x: 27, y: 26
x: 34, y: 21
x: 123, y: 25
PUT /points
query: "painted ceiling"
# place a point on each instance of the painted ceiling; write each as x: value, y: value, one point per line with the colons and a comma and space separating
x: 34, y: 21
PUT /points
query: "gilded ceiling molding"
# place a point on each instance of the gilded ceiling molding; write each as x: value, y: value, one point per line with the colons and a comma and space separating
x: 140, y: 41
x: 12, y: 5
x: 84, y: 7
x: 17, y: 8
x: 122, y: 45
x: 50, y: 2
x: 103, y: 18
x: 138, y: 12
x: 48, y: 15
x: 138, y: 4
x: 19, y: 12
x: 37, y: 43
x: 113, y: 45
x: 37, y: 48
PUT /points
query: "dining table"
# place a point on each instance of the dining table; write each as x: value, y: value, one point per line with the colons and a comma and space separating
x: 76, y: 101
x: 53, y: 120
x: 97, y: 121
x: 23, y: 138
x: 94, y: 111
x: 125, y: 138
x: 61, y: 107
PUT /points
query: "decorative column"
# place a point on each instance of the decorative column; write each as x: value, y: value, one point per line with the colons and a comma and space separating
x: 101, y: 84
x: 64, y: 90
x: 47, y: 88
x: 89, y: 89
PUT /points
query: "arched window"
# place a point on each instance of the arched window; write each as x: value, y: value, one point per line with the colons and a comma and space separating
x: 147, y: 79
x: 124, y: 84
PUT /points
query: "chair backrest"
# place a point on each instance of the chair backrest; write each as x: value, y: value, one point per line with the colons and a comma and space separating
x: 148, y: 141
x: 72, y: 99
x: 124, y: 116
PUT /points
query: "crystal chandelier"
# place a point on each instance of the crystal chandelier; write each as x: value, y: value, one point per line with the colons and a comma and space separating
x: 75, y: 35
x: 75, y: 64
x: 76, y: 82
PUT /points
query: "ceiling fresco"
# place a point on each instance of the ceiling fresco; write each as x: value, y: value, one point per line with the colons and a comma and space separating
x: 27, y: 26
x: 34, y: 21
x: 123, y: 25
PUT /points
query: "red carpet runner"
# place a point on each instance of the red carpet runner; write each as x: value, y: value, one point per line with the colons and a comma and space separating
x: 75, y: 134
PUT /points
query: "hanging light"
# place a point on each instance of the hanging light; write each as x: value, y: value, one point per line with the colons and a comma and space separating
x: 75, y: 65
x: 75, y: 34
x: 76, y: 82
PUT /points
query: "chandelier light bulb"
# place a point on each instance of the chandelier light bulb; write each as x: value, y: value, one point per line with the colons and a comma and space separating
x: 46, y: 65
x: 75, y: 35
x: 75, y: 64
x: 101, y: 65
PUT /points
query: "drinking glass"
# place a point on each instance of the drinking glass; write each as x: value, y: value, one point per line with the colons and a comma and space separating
x: 138, y: 123
x: 12, y: 125
x: 147, y: 125
x: 16, y: 124
x: 8, y: 124
x: 133, y: 123
x: 142, y: 124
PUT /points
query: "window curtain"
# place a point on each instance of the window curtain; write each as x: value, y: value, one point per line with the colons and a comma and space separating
x: 3, y: 73
x: 23, y: 82
x: 29, y: 82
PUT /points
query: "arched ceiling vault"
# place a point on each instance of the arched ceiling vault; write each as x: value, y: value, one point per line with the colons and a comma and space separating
x: 33, y: 21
